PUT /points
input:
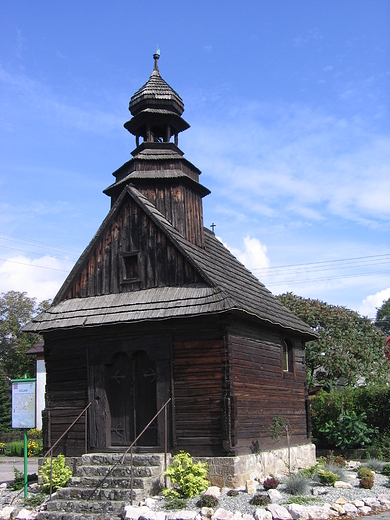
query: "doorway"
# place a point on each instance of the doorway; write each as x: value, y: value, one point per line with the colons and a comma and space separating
x: 131, y: 392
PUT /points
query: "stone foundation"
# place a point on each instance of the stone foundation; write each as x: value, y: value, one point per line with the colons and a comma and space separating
x: 233, y: 472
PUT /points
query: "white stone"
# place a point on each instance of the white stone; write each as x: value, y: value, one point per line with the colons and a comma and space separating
x: 339, y: 484
x: 6, y: 512
x: 245, y: 516
x: 250, y: 487
x: 212, y: 491
x: 350, y: 509
x: 222, y: 514
x: 339, y: 508
x: 25, y: 514
x: 279, y: 512
x: 207, y: 512
x: 181, y: 515
x: 318, y: 491
x: 376, y: 506
x: 3, y: 485
x: 150, y: 502
x: 34, y: 485
x: 134, y: 512
x: 262, y: 514
x: 318, y: 513
x: 369, y: 501
x: 237, y: 516
x: 358, y: 503
x: 274, y: 495
x: 341, y: 501
x: 298, y: 512
x: 384, y: 499
x: 365, y: 510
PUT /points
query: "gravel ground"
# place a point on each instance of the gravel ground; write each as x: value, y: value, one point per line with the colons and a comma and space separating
x: 331, y: 494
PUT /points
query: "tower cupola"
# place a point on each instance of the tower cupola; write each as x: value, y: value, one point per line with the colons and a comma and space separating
x: 156, y: 109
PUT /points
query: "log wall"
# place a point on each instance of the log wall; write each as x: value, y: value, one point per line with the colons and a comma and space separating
x: 261, y: 390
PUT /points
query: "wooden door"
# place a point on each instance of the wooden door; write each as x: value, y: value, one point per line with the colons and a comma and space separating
x: 131, y: 392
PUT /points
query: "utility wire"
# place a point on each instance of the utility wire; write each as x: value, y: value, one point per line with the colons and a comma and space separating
x: 32, y: 265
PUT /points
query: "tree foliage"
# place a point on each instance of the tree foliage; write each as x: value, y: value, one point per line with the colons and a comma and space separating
x: 382, y: 320
x: 16, y: 310
x: 350, y: 348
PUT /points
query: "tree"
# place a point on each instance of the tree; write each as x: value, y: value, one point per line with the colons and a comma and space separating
x: 17, y: 309
x: 350, y: 348
x: 382, y: 320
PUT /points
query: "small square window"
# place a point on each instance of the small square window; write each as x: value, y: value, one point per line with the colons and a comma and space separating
x: 130, y: 269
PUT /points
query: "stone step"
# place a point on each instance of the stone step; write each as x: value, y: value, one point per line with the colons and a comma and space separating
x: 120, y: 470
x: 59, y: 515
x: 104, y: 507
x: 79, y: 493
x: 145, y: 483
x: 139, y: 459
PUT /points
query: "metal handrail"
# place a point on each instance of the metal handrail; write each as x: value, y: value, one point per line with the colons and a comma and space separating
x: 130, y: 448
x: 60, y: 439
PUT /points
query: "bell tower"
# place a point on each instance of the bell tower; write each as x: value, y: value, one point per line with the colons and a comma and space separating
x: 158, y: 169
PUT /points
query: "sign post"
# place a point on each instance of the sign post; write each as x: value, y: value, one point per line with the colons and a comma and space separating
x: 23, y: 412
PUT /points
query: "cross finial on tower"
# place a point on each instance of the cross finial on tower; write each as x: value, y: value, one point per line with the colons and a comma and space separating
x: 156, y: 56
x: 213, y: 227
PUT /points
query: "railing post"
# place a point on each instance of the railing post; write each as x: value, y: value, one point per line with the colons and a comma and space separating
x: 51, y: 473
x: 86, y: 432
x: 131, y: 481
x: 165, y: 443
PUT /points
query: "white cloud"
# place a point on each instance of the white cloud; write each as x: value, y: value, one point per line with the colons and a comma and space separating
x: 254, y: 254
x: 371, y: 303
x: 40, y: 278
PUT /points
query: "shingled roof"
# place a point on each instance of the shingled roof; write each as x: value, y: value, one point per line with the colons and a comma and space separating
x: 228, y: 286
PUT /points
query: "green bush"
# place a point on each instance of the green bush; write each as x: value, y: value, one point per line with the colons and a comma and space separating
x: 260, y: 500
x: 18, y: 482
x: 207, y: 501
x: 188, y: 479
x: 60, y: 473
x: 17, y: 448
x: 296, y: 484
x: 348, y: 431
x: 175, y: 503
x: 364, y: 472
x: 386, y: 470
x: 372, y: 400
x: 327, y: 478
x: 366, y: 483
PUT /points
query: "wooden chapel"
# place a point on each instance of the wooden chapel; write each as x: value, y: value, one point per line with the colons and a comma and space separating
x: 157, y: 308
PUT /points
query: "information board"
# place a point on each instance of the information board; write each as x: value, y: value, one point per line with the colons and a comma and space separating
x: 23, y: 403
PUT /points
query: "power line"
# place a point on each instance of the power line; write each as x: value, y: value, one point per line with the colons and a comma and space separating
x: 34, y: 253
x: 31, y: 265
x: 15, y: 238
x: 323, y: 262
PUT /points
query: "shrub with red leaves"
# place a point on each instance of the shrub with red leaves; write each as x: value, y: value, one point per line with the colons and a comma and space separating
x: 270, y: 483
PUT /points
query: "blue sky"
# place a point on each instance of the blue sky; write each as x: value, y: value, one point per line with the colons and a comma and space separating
x: 288, y: 103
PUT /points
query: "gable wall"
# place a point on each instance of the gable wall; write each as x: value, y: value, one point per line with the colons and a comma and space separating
x: 181, y: 206
x: 260, y: 390
x: 160, y: 264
